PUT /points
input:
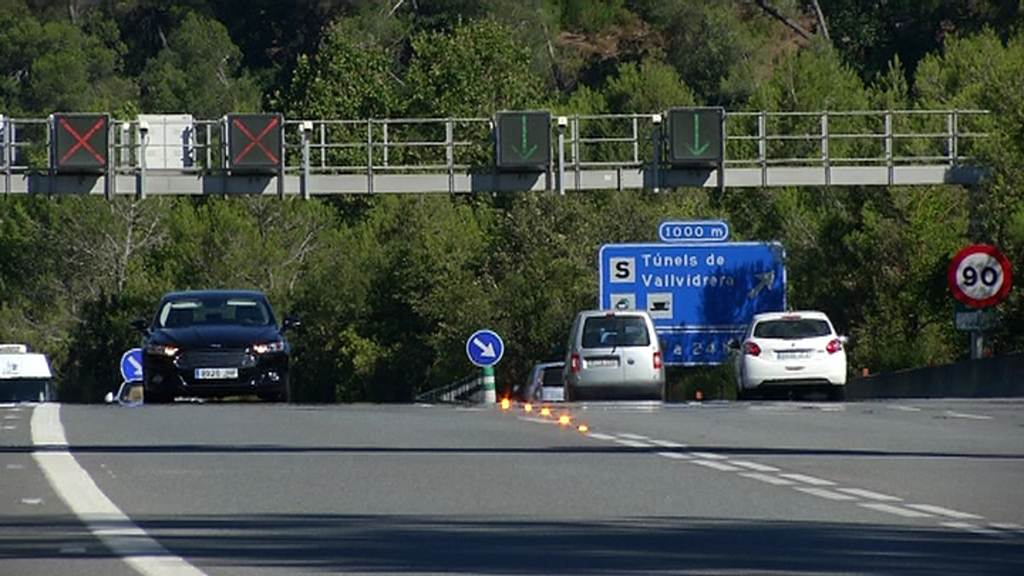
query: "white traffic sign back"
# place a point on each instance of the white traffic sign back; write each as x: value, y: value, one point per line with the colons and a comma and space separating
x: 980, y: 276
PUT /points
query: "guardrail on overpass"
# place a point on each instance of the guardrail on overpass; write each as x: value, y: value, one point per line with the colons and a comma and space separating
x: 320, y: 157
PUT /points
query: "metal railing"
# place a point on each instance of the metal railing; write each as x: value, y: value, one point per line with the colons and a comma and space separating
x: 456, y: 147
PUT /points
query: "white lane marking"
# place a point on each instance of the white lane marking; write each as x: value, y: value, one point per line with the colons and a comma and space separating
x: 1008, y: 527
x: 709, y: 456
x: 826, y: 494
x: 10, y: 427
x: 755, y: 466
x: 32, y: 501
x: 667, y: 444
x: 767, y: 478
x: 906, y: 408
x: 629, y: 436
x: 12, y: 417
x: 940, y: 511
x: 890, y: 509
x: 952, y: 414
x: 600, y: 436
x: 715, y: 465
x: 632, y: 443
x: 675, y: 455
x: 15, y: 466
x: 974, y: 529
x: 103, y: 518
x: 808, y: 479
x: 869, y: 495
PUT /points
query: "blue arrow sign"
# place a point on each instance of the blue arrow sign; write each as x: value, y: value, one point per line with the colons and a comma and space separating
x: 484, y: 348
x: 131, y: 365
x: 699, y: 295
x: 696, y: 231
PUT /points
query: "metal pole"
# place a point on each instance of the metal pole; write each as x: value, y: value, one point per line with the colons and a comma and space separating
x: 563, y: 122
x: 490, y: 396
x: 307, y: 129
x: 656, y: 144
x: 143, y: 144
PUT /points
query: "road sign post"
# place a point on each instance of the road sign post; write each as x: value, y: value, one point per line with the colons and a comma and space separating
x: 523, y: 140
x: 980, y: 276
x: 700, y: 295
x: 131, y: 365
x: 484, y: 349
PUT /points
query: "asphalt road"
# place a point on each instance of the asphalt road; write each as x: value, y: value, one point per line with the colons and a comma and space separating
x: 909, y: 487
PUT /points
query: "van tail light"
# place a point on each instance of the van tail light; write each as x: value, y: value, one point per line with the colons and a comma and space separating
x: 751, y: 349
x: 834, y: 346
x: 657, y: 361
x: 574, y: 362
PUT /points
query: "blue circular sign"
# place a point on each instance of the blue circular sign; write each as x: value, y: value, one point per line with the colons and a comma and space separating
x: 484, y: 348
x: 131, y: 365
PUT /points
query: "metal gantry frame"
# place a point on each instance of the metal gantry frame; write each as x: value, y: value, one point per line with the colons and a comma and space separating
x: 456, y: 155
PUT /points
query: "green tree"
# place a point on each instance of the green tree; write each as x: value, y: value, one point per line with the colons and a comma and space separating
x: 199, y: 72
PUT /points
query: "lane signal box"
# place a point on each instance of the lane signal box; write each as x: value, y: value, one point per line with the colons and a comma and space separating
x: 255, y: 142
x: 523, y: 140
x: 696, y: 137
x: 80, y: 143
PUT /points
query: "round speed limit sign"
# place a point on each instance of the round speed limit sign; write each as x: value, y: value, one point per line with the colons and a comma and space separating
x: 980, y: 276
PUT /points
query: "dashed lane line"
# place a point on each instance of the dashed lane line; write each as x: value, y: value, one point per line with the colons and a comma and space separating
x: 767, y: 478
x: 813, y: 485
x: 940, y: 511
x: 869, y: 495
x: 897, y: 510
x: 808, y: 479
x: 826, y: 494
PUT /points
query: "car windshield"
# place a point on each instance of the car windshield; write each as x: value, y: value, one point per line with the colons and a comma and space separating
x: 792, y: 328
x: 208, y: 311
x: 614, y: 331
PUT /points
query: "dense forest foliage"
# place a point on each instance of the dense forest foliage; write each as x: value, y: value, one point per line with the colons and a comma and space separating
x: 390, y: 287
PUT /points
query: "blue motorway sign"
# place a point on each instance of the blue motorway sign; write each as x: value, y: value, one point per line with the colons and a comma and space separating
x: 131, y: 365
x: 699, y: 295
x: 695, y: 231
x: 485, y: 348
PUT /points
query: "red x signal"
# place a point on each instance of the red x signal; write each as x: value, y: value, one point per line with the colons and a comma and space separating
x: 256, y: 141
x: 82, y: 140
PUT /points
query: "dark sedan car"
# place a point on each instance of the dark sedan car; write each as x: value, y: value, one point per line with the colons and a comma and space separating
x: 215, y: 343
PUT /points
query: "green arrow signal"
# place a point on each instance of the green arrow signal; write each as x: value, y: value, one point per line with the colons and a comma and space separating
x: 697, y: 149
x: 525, y: 152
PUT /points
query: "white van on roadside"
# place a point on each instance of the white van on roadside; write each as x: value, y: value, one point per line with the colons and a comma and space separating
x: 613, y: 354
x: 24, y: 376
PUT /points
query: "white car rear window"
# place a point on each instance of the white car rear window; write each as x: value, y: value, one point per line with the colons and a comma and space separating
x: 792, y: 329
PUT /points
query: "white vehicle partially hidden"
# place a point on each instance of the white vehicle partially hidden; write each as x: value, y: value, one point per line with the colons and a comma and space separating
x: 24, y: 376
x: 791, y: 352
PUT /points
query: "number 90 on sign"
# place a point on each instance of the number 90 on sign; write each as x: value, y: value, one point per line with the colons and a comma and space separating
x: 980, y: 276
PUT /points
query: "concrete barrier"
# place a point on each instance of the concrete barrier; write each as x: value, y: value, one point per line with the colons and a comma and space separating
x: 996, y: 377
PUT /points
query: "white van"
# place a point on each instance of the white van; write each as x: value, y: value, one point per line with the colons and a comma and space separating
x: 24, y: 376
x: 613, y: 354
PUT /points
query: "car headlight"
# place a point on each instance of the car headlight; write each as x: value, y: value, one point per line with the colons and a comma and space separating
x: 162, y: 350
x: 268, y: 347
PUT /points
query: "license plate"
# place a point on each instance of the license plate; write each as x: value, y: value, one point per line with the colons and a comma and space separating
x: 798, y: 355
x: 216, y: 373
x: 602, y: 363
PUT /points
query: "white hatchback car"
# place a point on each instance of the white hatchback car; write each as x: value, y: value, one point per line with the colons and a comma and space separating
x: 791, y: 350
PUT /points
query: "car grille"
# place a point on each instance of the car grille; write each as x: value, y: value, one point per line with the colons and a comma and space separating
x: 215, y: 359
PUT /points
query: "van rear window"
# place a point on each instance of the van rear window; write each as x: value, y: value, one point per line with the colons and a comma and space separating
x: 615, y: 331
